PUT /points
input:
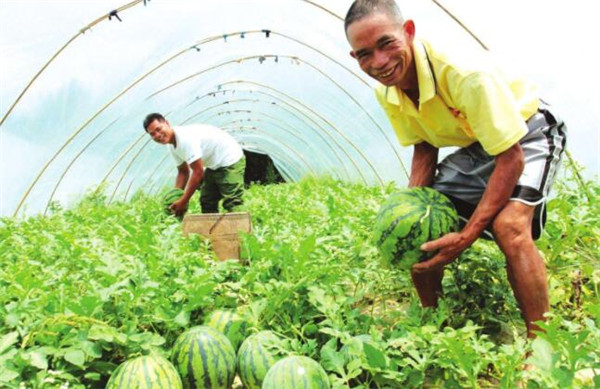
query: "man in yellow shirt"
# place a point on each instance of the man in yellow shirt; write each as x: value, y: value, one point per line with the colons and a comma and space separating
x: 510, y: 146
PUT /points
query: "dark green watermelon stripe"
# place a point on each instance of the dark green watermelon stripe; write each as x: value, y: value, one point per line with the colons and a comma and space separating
x: 190, y: 374
x: 146, y: 372
x: 247, y: 360
x: 205, y: 367
x: 120, y: 376
x: 388, y: 231
x: 227, y: 319
x: 132, y: 374
x: 221, y: 350
x: 179, y: 351
x: 257, y: 360
x: 223, y: 319
x: 264, y: 358
x: 213, y: 346
x: 164, y: 373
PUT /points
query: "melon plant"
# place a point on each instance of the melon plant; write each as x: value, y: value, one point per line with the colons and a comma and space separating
x: 230, y: 324
x: 145, y: 372
x: 409, y: 218
x: 204, y: 358
x: 354, y: 348
x: 256, y: 356
x: 170, y: 197
x: 296, y: 372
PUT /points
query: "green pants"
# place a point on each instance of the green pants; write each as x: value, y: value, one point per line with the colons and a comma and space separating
x: 225, y: 183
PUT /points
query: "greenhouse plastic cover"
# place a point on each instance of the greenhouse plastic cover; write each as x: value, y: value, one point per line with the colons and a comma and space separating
x: 78, y: 78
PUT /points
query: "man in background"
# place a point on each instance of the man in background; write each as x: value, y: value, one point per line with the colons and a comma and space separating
x: 212, y: 156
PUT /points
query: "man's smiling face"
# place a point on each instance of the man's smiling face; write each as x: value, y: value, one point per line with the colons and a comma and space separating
x: 383, y: 48
x: 161, y: 132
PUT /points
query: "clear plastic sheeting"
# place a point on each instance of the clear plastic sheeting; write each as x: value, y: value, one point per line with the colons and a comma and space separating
x: 275, y: 74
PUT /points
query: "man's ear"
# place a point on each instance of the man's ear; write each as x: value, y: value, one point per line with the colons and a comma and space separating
x: 353, y: 54
x: 409, y: 29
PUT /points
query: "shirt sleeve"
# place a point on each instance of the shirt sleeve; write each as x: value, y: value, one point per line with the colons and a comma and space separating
x: 492, y: 112
x: 191, y: 145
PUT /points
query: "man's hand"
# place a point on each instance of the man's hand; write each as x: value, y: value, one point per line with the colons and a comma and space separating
x: 449, y: 247
x: 179, y: 207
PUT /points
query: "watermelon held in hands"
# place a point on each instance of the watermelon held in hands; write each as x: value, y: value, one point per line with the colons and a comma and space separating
x: 409, y: 218
x: 256, y: 356
x: 146, y: 372
x: 204, y: 358
x: 170, y: 197
x: 230, y: 324
x: 296, y: 372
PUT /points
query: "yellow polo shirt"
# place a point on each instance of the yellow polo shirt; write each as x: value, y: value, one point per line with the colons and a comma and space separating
x: 459, y: 105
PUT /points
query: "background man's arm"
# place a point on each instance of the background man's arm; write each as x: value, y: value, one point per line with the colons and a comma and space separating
x: 183, y: 175
x: 504, y: 178
x: 424, y: 164
x: 192, y: 183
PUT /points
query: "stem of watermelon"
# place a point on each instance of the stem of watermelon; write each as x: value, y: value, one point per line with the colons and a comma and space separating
x: 426, y: 214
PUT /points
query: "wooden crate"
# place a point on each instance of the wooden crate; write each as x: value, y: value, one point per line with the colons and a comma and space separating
x: 222, y: 230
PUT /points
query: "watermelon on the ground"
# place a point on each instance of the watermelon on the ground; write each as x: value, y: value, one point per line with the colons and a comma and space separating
x: 256, y: 356
x: 230, y: 324
x: 170, y: 197
x: 204, y: 358
x: 145, y: 372
x: 296, y: 372
x: 409, y: 218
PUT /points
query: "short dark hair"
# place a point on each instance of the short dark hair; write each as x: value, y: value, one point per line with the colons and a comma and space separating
x: 152, y: 117
x: 361, y: 8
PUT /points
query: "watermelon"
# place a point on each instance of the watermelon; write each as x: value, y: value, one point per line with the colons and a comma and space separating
x: 409, y: 218
x: 256, y: 355
x: 146, y: 372
x: 204, y: 358
x: 170, y: 197
x: 230, y: 324
x: 296, y: 372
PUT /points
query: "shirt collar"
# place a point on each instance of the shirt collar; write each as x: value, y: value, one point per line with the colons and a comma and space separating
x: 425, y: 76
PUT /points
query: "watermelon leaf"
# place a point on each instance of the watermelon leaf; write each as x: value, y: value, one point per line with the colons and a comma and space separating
x: 8, y: 340
x: 375, y: 357
x: 75, y: 356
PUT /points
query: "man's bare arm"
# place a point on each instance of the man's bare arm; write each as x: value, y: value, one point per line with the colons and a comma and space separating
x: 424, y: 163
x: 504, y: 178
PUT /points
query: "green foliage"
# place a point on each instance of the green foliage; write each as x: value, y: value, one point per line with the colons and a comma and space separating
x: 84, y: 289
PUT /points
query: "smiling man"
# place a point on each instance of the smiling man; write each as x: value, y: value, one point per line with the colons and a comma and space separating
x: 509, y: 147
x: 196, y: 147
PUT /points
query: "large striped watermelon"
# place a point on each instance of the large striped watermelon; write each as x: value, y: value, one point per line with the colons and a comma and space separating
x: 230, y: 324
x: 204, y: 358
x: 170, y: 197
x: 256, y: 356
x: 146, y: 372
x: 296, y: 372
x: 409, y: 218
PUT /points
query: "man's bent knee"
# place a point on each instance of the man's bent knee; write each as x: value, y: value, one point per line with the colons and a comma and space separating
x: 512, y: 226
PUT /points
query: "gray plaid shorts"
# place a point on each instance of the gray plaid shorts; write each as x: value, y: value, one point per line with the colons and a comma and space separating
x: 464, y: 174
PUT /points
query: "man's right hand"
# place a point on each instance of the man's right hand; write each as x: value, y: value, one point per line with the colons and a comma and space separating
x: 179, y: 207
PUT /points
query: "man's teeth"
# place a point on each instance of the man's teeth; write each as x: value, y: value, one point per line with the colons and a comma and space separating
x: 387, y: 74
